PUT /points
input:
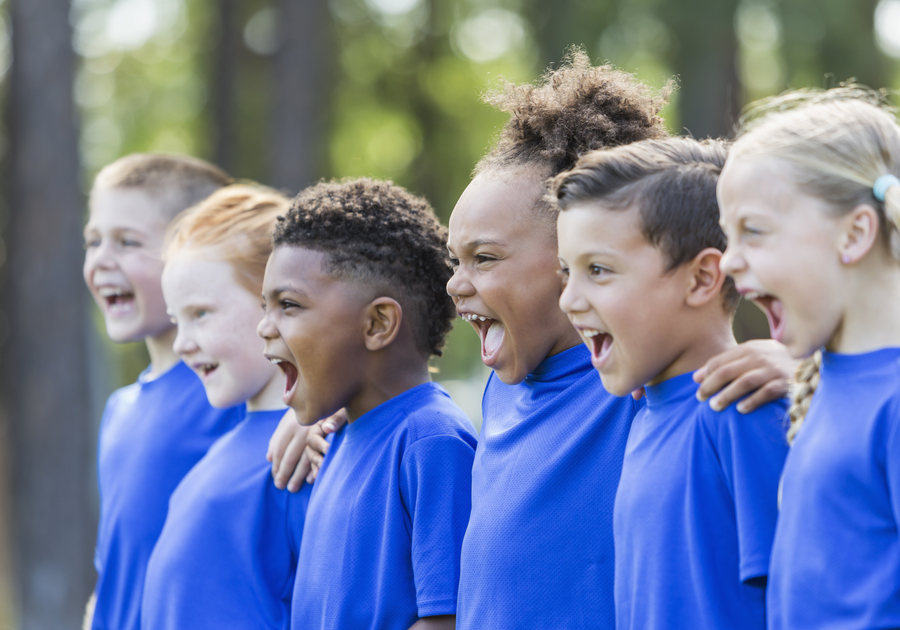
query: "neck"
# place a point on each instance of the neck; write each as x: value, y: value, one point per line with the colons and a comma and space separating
x: 269, y: 397
x: 712, y: 336
x: 388, y: 378
x: 871, y: 317
x: 162, y: 357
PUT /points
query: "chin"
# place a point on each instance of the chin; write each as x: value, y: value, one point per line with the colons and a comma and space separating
x: 616, y: 386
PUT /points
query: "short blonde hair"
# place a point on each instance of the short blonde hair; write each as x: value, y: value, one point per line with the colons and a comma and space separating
x: 236, y: 223
x: 174, y: 182
x: 838, y: 142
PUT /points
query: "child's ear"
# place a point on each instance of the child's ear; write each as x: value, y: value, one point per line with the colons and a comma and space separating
x: 706, y: 279
x: 858, y: 234
x: 383, y: 318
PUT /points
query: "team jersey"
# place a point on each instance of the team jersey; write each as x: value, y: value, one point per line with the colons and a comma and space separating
x: 151, y: 435
x: 695, y: 512
x: 227, y: 554
x: 836, y: 556
x: 538, y: 552
x: 386, y: 518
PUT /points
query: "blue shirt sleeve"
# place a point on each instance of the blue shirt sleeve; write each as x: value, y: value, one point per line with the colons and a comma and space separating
x: 752, y: 449
x: 436, y: 487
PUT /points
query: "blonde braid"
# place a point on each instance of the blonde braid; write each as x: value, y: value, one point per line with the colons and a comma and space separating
x: 806, y: 380
x: 892, y: 213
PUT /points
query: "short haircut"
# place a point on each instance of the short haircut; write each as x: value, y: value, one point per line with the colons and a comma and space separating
x: 671, y: 182
x: 381, y: 235
x: 175, y: 182
x: 573, y: 109
x: 234, y: 224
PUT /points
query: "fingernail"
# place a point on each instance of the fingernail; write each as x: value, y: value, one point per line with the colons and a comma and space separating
x: 742, y: 408
x: 715, y: 404
x: 700, y: 396
x: 329, y: 426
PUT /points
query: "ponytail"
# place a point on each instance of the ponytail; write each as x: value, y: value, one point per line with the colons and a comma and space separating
x: 891, y: 199
x: 806, y: 381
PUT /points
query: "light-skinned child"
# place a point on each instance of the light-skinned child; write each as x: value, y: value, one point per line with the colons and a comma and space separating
x: 354, y: 308
x: 227, y: 555
x: 810, y: 202
x: 538, y: 551
x: 639, y: 247
x: 155, y: 430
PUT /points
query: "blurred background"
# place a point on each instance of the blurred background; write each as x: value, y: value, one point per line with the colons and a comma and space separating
x: 286, y: 92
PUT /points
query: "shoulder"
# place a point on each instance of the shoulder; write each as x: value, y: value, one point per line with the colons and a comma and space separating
x: 433, y: 414
x: 769, y: 420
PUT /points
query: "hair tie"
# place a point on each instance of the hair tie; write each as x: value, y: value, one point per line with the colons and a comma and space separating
x: 882, y: 184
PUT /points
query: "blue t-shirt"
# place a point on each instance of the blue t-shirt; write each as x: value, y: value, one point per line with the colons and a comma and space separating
x: 836, y: 556
x: 695, y: 512
x: 152, y: 434
x: 538, y: 552
x: 227, y: 555
x: 387, y: 516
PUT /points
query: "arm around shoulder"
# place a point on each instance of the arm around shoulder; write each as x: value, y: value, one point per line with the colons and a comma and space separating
x: 440, y: 622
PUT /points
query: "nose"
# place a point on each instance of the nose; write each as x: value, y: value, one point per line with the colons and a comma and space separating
x: 183, y: 344
x: 266, y: 329
x: 571, y: 300
x: 100, y: 256
x: 732, y: 262
x: 459, y: 284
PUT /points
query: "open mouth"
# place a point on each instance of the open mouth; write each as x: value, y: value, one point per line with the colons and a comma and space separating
x: 600, y: 344
x: 774, y: 310
x: 204, y: 369
x: 118, y: 301
x: 491, y: 332
x: 291, y: 375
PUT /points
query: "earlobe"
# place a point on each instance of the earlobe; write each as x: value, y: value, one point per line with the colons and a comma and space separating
x: 706, y: 278
x: 859, y: 233
x: 384, y: 316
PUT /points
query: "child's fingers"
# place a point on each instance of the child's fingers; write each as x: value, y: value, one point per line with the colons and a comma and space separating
x: 744, y: 384
x: 301, y: 472
x: 279, y: 441
x: 773, y: 390
x: 291, y: 458
x: 335, y: 422
x: 720, y: 376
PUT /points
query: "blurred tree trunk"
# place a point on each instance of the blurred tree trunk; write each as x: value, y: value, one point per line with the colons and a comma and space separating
x: 303, y: 77
x: 45, y: 378
x: 224, y: 82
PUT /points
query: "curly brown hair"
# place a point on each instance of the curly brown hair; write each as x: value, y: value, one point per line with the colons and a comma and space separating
x: 382, y: 235
x: 574, y: 109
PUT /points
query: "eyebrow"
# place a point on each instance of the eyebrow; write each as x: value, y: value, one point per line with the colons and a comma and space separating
x: 288, y: 289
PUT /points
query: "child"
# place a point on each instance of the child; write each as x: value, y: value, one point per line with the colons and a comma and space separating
x: 227, y: 554
x: 354, y: 307
x: 155, y: 430
x: 817, y: 247
x: 694, y: 515
x: 538, y: 550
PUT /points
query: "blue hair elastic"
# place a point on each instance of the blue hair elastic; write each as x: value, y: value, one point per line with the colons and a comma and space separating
x: 882, y: 184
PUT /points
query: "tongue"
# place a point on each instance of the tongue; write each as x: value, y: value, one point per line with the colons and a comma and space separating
x: 492, y: 339
x: 775, y: 315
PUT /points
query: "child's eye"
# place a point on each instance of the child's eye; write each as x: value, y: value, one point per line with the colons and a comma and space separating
x: 91, y: 242
x: 483, y: 258
x: 563, y: 273
x: 288, y: 304
x: 129, y: 243
x: 597, y: 270
x: 453, y: 262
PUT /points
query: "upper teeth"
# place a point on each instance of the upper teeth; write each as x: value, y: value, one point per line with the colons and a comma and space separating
x: 471, y: 317
x: 111, y: 292
x: 752, y: 295
x: 587, y: 332
x: 276, y: 361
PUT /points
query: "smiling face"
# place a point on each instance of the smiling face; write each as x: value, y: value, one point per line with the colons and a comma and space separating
x: 314, y: 329
x: 783, y: 252
x: 122, y: 265
x: 505, y: 281
x: 629, y: 309
x: 216, y: 318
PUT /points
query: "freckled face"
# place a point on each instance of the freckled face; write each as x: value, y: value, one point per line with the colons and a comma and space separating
x: 217, y: 318
x: 314, y: 327
x: 122, y: 266
x: 621, y: 297
x: 783, y: 252
x: 505, y: 281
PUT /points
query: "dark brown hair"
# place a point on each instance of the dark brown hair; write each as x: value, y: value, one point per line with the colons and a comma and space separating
x: 671, y: 182
x: 385, y: 237
x: 573, y: 109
